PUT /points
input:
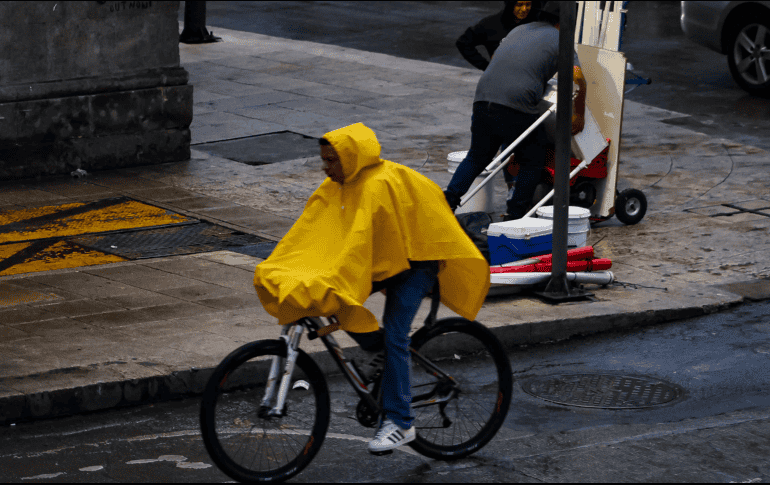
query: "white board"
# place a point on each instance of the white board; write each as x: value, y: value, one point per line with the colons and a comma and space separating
x: 591, y: 23
x: 613, y: 29
x: 579, y: 22
x: 605, y: 72
x: 597, y: 26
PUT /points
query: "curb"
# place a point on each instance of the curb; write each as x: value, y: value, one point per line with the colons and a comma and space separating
x: 191, y: 382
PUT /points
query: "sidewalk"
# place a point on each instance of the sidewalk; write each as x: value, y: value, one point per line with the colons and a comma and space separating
x: 95, y: 337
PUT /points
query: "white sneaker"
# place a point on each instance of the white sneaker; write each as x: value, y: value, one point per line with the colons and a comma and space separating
x: 389, y: 437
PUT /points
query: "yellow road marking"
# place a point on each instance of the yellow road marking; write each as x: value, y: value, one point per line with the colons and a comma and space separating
x: 126, y: 215
x: 59, y: 255
x: 23, y: 214
x: 8, y: 250
x: 23, y: 233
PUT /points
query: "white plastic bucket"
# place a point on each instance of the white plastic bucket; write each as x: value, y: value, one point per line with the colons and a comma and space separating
x: 482, y: 201
x: 579, y: 225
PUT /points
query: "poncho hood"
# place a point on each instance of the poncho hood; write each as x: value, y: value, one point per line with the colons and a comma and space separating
x: 357, y: 148
x: 367, y: 229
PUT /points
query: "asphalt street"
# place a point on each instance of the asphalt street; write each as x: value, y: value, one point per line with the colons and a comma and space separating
x: 716, y: 430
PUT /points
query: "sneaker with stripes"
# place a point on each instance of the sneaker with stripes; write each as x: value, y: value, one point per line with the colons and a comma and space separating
x: 389, y: 437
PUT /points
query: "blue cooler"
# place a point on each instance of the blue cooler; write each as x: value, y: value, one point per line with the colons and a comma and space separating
x: 519, y: 239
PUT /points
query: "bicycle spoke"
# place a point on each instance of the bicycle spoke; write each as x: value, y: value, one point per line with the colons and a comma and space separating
x: 276, y: 443
x: 243, y: 441
x: 469, y: 416
x: 477, y: 408
x: 469, y: 421
x: 248, y: 447
x: 257, y: 454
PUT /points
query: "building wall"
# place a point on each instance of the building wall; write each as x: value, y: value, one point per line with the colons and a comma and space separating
x: 92, y: 85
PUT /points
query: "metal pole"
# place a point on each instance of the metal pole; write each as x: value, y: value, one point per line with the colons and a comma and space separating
x: 558, y: 287
x: 194, y: 31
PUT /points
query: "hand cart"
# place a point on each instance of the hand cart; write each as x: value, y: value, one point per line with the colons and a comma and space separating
x: 597, y: 38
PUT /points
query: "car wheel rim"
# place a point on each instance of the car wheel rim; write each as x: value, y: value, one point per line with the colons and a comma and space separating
x: 752, y: 54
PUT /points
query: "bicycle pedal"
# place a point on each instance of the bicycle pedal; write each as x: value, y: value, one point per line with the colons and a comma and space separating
x: 381, y: 453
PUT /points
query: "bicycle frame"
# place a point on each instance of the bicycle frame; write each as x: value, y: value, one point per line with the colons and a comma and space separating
x: 291, y: 335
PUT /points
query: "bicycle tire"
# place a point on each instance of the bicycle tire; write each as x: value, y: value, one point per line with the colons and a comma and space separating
x: 229, y: 416
x: 482, y: 405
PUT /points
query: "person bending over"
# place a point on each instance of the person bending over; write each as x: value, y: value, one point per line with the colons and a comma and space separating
x: 505, y: 106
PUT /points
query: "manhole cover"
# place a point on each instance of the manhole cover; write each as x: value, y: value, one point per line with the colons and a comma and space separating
x: 169, y: 241
x: 606, y: 391
x: 264, y: 149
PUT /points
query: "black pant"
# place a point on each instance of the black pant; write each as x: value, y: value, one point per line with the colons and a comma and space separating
x: 495, y: 127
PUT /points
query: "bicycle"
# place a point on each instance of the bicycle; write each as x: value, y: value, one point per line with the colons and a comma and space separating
x: 266, y: 408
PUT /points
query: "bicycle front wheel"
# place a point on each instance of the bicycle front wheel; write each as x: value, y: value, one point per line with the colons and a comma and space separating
x: 246, y: 443
x: 458, y: 416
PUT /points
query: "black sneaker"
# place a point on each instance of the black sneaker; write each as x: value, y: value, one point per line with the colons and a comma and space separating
x: 452, y: 200
x: 376, y: 361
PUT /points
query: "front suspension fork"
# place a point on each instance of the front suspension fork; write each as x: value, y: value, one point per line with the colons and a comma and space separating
x: 291, y: 335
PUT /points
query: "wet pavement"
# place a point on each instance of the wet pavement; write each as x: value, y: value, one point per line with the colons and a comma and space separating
x: 690, y: 78
x: 716, y: 431
x: 687, y: 78
x: 101, y: 336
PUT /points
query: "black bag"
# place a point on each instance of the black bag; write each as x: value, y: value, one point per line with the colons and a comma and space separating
x: 473, y: 223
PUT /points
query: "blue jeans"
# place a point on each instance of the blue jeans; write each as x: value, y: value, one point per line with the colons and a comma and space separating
x: 405, y: 292
x: 495, y: 127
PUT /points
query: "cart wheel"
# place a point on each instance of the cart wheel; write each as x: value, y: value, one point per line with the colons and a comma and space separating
x: 630, y: 206
x: 583, y: 195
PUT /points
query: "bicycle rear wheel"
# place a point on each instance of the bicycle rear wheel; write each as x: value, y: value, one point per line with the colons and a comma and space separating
x: 473, y: 410
x: 246, y: 444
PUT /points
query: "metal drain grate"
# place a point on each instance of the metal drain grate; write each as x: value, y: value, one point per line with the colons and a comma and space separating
x: 605, y: 391
x: 264, y: 149
x: 169, y: 241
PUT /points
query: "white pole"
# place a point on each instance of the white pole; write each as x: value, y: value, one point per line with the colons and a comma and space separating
x: 580, y: 167
x: 595, y: 278
x: 502, y: 157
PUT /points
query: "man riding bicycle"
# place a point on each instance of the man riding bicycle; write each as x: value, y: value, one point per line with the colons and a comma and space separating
x: 373, y: 224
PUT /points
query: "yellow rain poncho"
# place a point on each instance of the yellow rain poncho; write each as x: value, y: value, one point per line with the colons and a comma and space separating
x: 368, y: 229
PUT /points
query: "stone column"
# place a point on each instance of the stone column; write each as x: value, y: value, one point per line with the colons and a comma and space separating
x: 91, y: 85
